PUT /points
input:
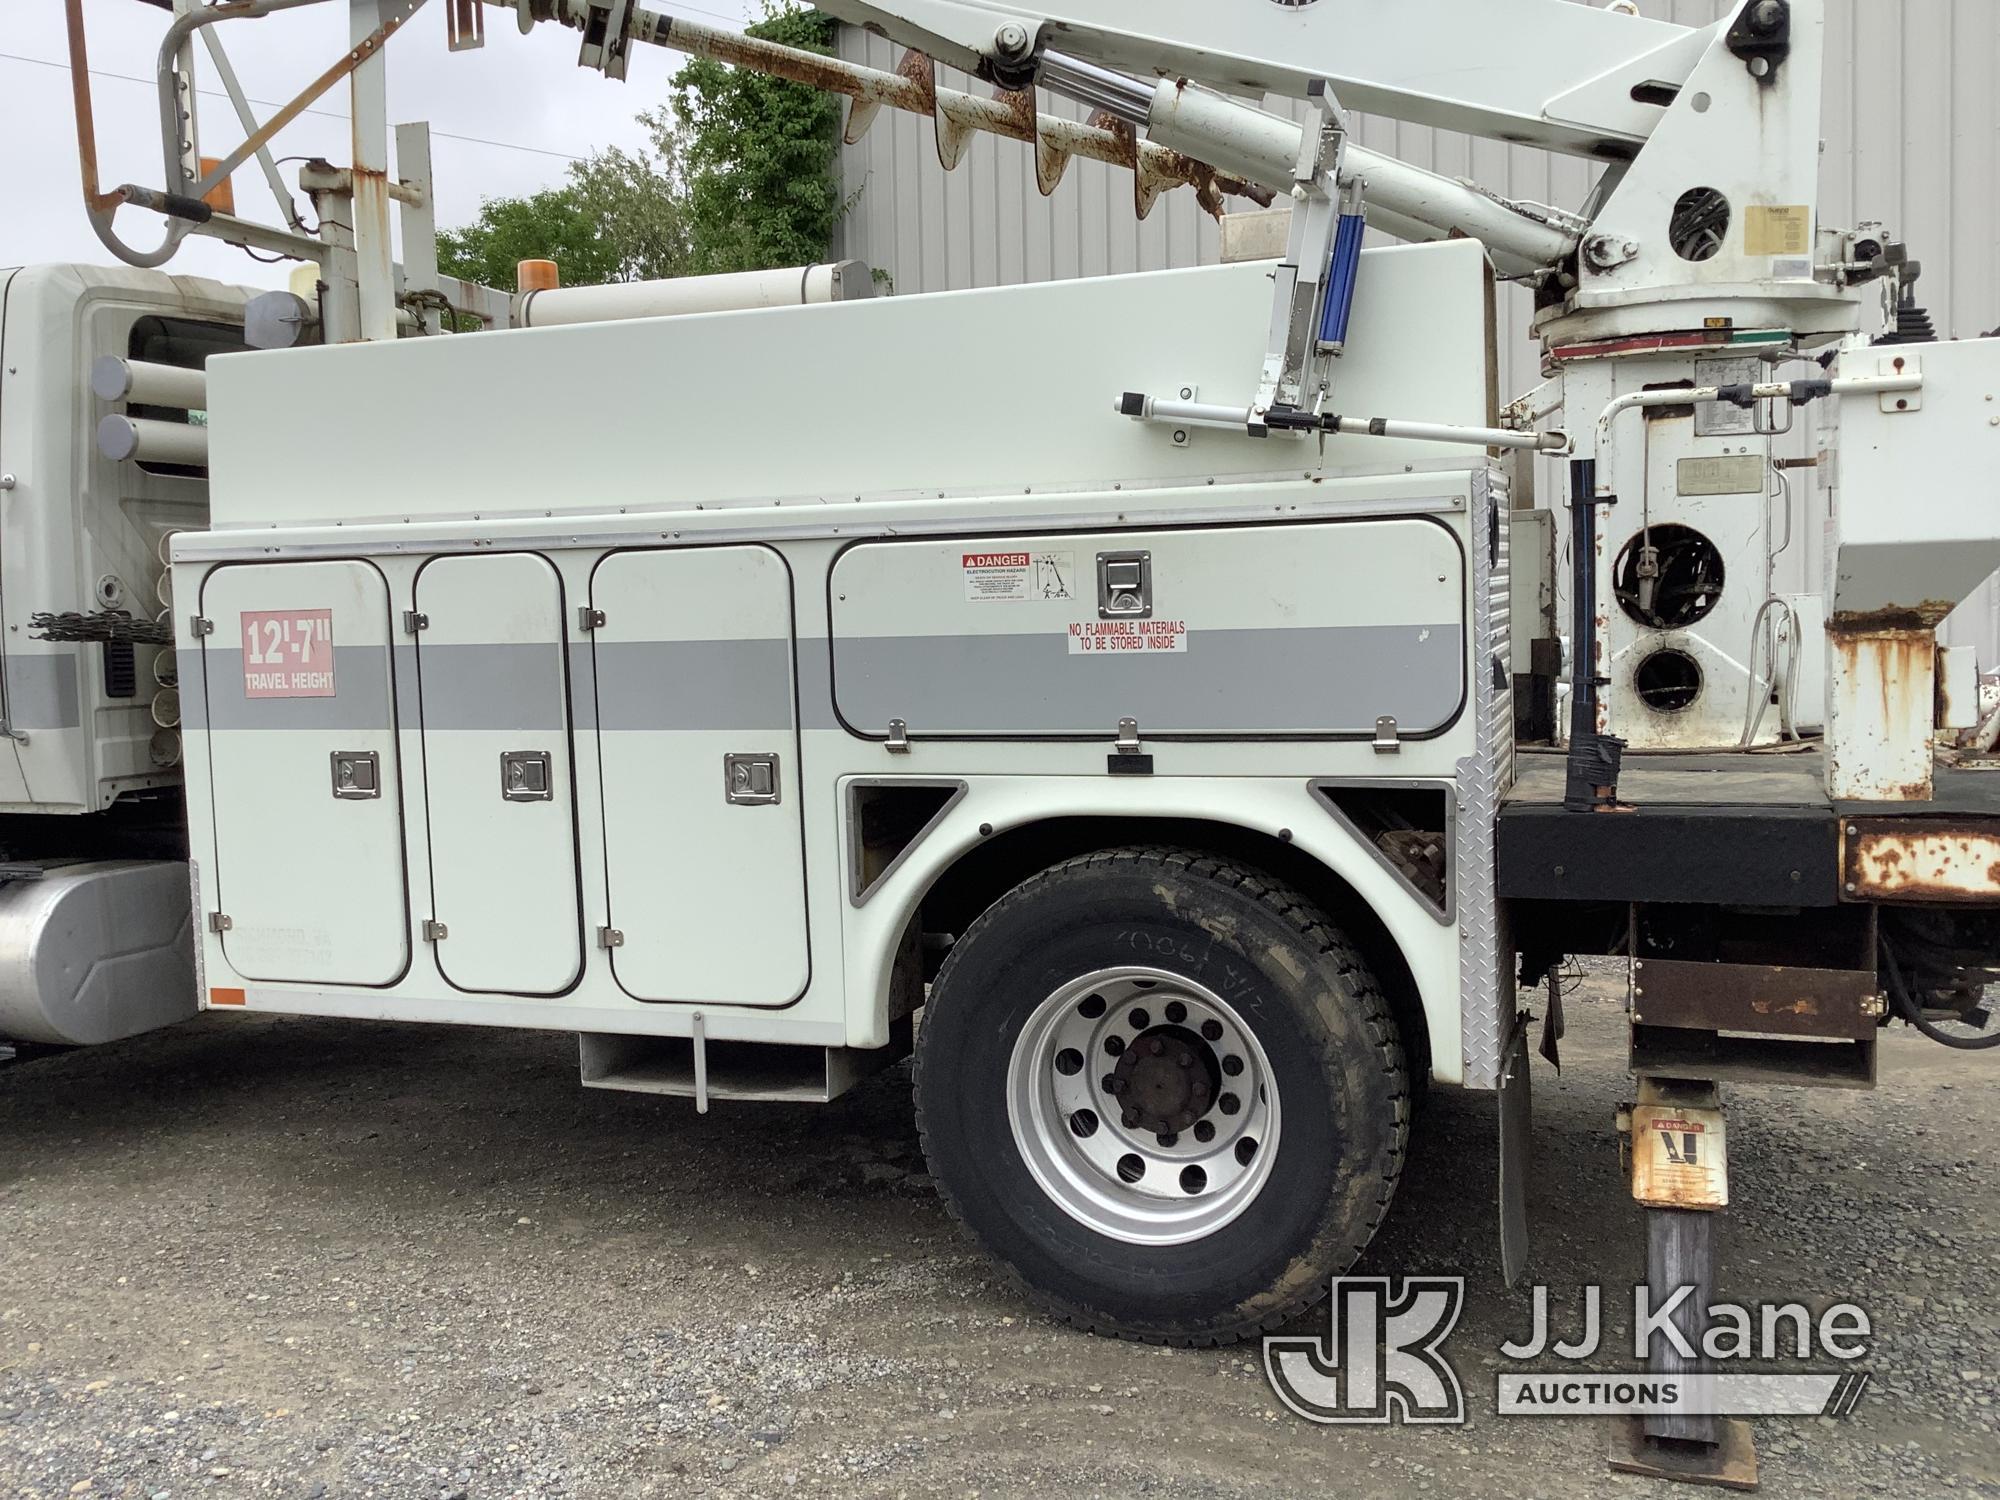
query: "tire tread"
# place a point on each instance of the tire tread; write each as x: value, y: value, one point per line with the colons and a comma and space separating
x: 1320, y: 937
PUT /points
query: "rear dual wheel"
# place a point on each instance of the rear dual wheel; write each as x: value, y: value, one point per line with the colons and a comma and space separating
x: 1164, y: 1093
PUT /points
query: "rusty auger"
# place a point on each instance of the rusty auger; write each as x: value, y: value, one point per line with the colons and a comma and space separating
x: 913, y: 87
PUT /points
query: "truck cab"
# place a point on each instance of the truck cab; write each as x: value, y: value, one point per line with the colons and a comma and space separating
x: 94, y: 901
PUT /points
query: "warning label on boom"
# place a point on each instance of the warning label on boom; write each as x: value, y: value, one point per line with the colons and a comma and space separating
x: 1126, y: 637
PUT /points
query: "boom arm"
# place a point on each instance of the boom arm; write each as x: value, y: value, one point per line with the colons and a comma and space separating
x: 1566, y: 77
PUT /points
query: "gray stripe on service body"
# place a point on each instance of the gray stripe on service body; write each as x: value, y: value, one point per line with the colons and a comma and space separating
x: 582, y: 686
x: 360, y: 700
x: 42, y: 691
x: 513, y: 686
x: 644, y: 685
x: 816, y: 686
x: 694, y: 684
x: 189, y: 664
x: 409, y: 712
x: 1307, y: 680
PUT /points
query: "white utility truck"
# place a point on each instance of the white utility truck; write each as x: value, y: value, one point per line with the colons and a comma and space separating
x: 1172, y: 692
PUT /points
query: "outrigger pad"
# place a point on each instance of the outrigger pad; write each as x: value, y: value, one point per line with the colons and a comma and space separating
x: 1729, y: 1464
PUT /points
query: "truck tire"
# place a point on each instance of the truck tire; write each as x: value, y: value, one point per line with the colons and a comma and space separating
x: 1163, y: 1093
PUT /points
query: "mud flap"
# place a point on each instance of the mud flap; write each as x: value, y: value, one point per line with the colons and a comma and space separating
x: 1516, y: 1120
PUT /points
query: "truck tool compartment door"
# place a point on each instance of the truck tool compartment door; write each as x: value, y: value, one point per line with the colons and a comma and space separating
x: 307, y: 790
x: 698, y: 743
x: 1313, y: 630
x: 498, y: 780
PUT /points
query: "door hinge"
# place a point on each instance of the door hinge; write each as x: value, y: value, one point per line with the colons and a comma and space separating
x: 415, y: 620
x: 435, y: 931
x: 898, y: 740
x: 1388, y: 738
x: 588, y: 618
x: 200, y: 625
x: 219, y: 922
x: 610, y: 937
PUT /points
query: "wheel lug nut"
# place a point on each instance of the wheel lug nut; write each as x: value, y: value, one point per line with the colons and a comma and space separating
x: 1185, y: 1061
x: 1130, y: 1117
x: 1156, y: 1046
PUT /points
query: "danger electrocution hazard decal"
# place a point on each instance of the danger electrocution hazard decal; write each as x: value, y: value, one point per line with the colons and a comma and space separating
x: 1126, y: 637
x: 1016, y: 575
x: 288, y: 653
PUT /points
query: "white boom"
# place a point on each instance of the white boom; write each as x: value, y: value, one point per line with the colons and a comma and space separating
x: 1536, y: 72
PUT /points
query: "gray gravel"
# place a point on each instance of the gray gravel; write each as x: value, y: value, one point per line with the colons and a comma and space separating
x: 314, y: 1258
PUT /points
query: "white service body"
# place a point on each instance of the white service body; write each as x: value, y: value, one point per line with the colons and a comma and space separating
x: 551, y: 640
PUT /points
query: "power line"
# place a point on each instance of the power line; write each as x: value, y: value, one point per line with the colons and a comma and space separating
x: 327, y: 114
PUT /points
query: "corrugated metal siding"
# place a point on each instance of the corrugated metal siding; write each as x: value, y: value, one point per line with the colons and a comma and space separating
x: 1912, y: 138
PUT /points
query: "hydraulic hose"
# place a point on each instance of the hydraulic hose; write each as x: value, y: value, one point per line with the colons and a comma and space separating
x: 1907, y: 1006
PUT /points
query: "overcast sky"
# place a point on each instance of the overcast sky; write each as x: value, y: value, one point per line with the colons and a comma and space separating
x: 487, y: 108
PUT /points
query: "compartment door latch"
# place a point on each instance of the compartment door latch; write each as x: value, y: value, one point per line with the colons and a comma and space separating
x: 525, y: 776
x: 357, y: 775
x: 1124, y: 585
x: 751, y: 780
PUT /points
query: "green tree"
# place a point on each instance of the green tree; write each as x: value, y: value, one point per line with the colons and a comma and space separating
x: 639, y: 201
x: 552, y: 225
x: 622, y: 216
x: 741, y: 173
x: 762, y: 155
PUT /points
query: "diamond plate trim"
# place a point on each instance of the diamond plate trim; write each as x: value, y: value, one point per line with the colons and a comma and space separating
x: 1485, y: 977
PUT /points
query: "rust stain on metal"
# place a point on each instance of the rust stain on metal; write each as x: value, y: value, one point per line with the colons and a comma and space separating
x: 99, y: 202
x: 1125, y: 139
x: 1679, y: 1156
x: 1921, y: 860
x: 916, y: 70
x: 913, y: 88
x: 1019, y: 105
x: 1895, y: 650
x: 1754, y: 999
x: 86, y: 119
x: 1804, y: 1006
x: 1051, y: 162
x: 1894, y: 620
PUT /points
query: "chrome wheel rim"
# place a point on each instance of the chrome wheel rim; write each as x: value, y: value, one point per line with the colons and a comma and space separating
x: 1143, y: 1106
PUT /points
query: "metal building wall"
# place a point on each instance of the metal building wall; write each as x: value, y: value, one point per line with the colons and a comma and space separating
x: 1912, y: 133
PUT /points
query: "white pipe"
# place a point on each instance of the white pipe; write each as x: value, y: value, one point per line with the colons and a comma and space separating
x: 1772, y: 390
x: 1438, y: 432
x: 1209, y: 414
x: 1264, y: 148
x: 148, y: 384
x: 790, y: 286
x: 1509, y: 263
x: 142, y: 438
x: 1230, y: 136
x: 1511, y: 235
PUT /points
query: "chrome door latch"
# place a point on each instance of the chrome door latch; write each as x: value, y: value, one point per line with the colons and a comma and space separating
x: 1124, y: 585
x: 525, y: 776
x: 751, y: 780
x: 357, y: 775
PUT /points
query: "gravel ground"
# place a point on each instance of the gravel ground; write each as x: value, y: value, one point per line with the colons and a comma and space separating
x: 314, y: 1258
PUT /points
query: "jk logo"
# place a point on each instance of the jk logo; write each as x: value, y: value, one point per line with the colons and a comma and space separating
x: 1380, y: 1359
